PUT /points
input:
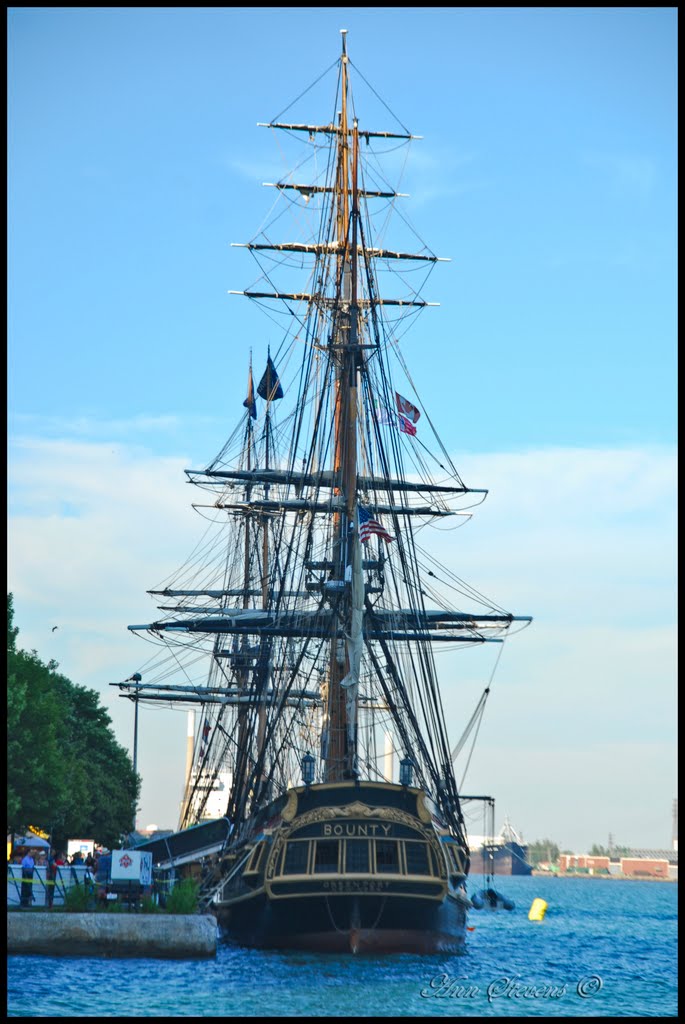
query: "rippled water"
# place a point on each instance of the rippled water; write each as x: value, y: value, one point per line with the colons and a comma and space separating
x: 605, y: 948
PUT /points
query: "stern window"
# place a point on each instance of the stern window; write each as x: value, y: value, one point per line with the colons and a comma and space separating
x: 357, y: 856
x: 296, y: 856
x: 387, y: 856
x: 417, y: 858
x: 326, y: 857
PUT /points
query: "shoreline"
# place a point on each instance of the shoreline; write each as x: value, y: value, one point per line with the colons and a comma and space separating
x: 609, y: 878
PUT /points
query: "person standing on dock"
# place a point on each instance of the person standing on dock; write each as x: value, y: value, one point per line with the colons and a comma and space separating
x: 27, y: 866
x: 51, y: 877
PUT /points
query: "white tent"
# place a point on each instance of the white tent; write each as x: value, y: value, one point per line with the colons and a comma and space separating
x: 35, y: 841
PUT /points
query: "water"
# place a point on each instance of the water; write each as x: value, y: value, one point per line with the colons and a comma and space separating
x: 613, y: 941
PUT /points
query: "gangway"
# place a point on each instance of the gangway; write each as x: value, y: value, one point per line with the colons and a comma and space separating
x: 191, y: 844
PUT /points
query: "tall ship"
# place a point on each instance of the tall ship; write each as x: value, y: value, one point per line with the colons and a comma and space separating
x: 307, y: 627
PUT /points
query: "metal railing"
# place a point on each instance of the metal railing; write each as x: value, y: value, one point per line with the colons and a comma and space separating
x: 46, y: 891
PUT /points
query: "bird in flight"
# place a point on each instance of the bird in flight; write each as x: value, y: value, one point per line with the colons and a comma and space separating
x: 54, y: 628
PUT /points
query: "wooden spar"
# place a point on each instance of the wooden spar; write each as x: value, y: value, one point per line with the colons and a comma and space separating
x: 264, y: 669
x: 307, y: 190
x: 332, y: 129
x: 353, y: 355
x: 327, y: 479
x: 246, y: 551
x: 336, y: 755
x: 242, y: 671
x: 301, y: 505
x: 331, y: 248
x: 325, y: 301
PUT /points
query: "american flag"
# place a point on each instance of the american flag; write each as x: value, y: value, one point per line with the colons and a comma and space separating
x: 368, y: 526
x: 406, y: 426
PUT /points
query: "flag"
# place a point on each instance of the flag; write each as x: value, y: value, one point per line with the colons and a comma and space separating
x: 406, y: 409
x: 249, y: 402
x: 270, y: 386
x: 385, y: 417
x: 368, y: 526
x: 406, y: 426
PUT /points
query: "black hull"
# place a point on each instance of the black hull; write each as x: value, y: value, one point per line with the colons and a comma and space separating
x: 347, y: 868
x: 346, y: 924
x: 506, y: 860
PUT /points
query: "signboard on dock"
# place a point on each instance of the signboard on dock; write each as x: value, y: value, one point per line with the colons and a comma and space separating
x: 132, y: 866
x: 82, y: 846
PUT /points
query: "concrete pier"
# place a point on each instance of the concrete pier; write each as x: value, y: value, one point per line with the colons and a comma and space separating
x: 162, y: 936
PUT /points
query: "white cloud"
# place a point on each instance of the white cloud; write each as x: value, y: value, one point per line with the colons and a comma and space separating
x: 578, y: 736
x: 90, y: 427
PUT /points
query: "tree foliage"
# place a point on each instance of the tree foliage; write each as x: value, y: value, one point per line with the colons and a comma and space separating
x: 602, y: 851
x: 66, y: 772
x: 543, y: 850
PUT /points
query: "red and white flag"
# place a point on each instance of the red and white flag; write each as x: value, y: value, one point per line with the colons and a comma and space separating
x: 407, y: 410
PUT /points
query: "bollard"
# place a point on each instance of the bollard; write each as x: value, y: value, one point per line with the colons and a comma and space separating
x: 537, y: 910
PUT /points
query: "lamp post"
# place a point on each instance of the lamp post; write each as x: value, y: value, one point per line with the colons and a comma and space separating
x: 406, y: 771
x: 308, y: 765
x: 135, y: 678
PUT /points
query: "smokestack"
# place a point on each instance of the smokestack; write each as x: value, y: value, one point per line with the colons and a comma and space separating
x: 389, y: 759
x: 190, y: 741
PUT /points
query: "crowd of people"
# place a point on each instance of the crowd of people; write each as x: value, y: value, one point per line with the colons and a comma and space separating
x: 53, y: 861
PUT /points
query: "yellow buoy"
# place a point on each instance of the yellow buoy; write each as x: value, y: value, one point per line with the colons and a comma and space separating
x: 537, y: 910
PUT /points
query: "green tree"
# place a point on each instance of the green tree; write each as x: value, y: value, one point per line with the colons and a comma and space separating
x: 35, y: 764
x: 66, y: 771
x: 543, y: 850
x: 103, y: 770
x: 615, y: 852
x: 12, y: 630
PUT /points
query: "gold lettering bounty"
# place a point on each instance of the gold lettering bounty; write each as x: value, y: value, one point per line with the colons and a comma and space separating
x: 364, y: 830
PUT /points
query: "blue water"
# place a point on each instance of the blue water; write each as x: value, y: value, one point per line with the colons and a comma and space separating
x: 605, y: 949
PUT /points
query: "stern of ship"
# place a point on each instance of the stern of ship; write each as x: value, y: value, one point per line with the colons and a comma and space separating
x: 348, y: 867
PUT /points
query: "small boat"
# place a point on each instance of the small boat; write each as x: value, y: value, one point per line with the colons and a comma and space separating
x: 490, y: 899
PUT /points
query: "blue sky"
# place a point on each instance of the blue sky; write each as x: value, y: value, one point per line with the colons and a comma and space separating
x: 547, y: 173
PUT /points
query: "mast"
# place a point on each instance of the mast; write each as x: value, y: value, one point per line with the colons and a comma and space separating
x: 242, y: 663
x: 285, y: 605
x: 264, y: 664
x: 340, y: 755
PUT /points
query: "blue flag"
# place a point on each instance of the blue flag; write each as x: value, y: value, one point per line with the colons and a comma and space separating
x: 270, y: 386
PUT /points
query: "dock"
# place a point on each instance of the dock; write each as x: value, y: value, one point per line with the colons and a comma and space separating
x: 158, y: 936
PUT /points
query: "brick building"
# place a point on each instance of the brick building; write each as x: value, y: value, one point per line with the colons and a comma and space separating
x: 634, y: 867
x: 640, y: 864
x: 583, y: 862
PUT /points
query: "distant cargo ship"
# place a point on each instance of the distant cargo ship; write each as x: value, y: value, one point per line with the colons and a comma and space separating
x: 506, y: 854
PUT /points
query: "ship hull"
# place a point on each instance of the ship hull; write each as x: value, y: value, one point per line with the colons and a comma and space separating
x: 346, y: 924
x: 509, y: 859
x: 347, y: 867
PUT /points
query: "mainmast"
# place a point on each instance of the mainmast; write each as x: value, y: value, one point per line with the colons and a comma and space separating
x: 293, y: 616
x: 340, y: 754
